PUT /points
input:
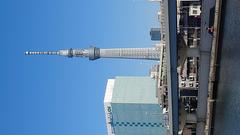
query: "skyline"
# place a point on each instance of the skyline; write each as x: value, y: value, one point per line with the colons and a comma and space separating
x: 55, y: 95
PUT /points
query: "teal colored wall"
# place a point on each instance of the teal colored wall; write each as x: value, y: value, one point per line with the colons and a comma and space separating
x: 134, y: 90
x: 135, y: 110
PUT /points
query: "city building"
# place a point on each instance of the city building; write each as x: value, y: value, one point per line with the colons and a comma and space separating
x: 155, y: 34
x: 188, y: 29
x: 144, y: 105
x: 132, y: 108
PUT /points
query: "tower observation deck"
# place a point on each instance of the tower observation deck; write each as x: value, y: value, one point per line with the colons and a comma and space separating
x: 94, y: 53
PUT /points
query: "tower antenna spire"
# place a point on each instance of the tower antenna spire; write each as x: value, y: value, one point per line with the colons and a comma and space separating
x: 41, y: 53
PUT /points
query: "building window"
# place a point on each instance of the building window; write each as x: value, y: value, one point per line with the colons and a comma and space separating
x: 191, y: 78
x: 183, y: 84
x: 191, y: 84
x: 194, y: 12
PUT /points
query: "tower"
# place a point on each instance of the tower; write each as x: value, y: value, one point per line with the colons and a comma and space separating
x: 94, y: 53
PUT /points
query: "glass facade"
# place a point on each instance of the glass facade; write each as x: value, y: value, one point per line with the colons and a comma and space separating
x: 131, y: 107
x: 155, y: 34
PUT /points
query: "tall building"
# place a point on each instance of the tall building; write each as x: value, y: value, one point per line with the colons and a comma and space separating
x: 132, y: 108
x: 155, y: 34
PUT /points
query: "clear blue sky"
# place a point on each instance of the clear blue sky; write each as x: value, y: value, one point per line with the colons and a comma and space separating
x: 52, y: 95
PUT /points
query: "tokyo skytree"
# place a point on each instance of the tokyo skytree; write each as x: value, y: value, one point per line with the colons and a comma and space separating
x: 94, y: 53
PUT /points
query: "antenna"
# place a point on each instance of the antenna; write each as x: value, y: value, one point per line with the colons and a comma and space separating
x: 41, y: 53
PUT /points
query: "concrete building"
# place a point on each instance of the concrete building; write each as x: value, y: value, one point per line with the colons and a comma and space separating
x: 131, y: 107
